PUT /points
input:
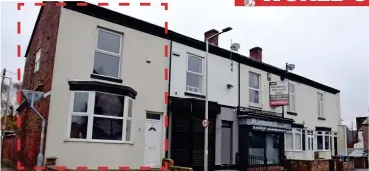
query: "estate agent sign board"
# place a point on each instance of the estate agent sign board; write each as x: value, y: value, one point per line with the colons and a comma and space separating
x: 278, y: 93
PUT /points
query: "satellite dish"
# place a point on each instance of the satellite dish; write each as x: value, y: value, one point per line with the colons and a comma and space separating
x: 235, y: 46
x: 291, y: 67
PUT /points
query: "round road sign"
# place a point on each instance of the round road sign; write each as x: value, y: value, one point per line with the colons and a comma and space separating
x: 205, y: 123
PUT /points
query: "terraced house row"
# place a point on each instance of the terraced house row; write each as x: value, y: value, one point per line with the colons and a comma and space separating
x: 103, y: 72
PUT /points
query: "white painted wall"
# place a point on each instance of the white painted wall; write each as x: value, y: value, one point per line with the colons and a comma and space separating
x: 306, y: 106
x: 220, y: 75
x: 227, y: 114
x: 342, y: 140
x: 74, y: 60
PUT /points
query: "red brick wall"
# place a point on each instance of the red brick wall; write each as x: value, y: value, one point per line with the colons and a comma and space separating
x: 269, y: 168
x: 320, y: 165
x: 307, y: 165
x: 45, y: 36
x: 348, y: 166
x: 9, y: 151
x: 366, y: 136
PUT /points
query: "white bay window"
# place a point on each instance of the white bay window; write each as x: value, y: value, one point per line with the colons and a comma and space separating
x: 323, y: 140
x: 293, y: 140
x: 100, y: 116
x: 310, y: 140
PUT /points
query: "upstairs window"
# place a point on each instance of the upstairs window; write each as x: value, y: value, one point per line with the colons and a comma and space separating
x: 195, y: 74
x: 292, y: 98
x: 254, y: 88
x: 37, y: 60
x: 108, y: 53
x: 320, y: 105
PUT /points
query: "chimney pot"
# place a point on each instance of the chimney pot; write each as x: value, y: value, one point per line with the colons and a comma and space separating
x: 256, y: 53
x: 214, y: 40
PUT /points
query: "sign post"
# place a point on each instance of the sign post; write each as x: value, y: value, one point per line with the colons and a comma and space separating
x: 32, y: 97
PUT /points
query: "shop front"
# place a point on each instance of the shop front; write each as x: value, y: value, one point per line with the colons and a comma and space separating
x: 261, y: 138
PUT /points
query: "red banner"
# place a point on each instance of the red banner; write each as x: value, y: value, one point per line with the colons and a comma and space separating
x: 301, y: 3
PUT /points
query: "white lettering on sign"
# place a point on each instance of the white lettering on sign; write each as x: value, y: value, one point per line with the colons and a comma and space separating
x: 262, y: 122
x: 271, y: 124
x: 278, y: 93
x: 262, y: 128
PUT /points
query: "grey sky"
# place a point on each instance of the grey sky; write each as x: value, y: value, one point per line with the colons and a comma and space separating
x: 328, y: 45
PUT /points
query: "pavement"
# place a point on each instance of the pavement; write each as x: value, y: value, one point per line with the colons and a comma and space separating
x: 3, y: 168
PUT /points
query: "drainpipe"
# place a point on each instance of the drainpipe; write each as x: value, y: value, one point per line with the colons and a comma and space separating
x: 168, y: 105
x: 40, y: 154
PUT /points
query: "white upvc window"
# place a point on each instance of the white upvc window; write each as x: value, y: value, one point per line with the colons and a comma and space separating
x: 102, y: 117
x: 195, y: 74
x: 292, y: 98
x: 323, y: 140
x: 293, y: 140
x: 320, y: 101
x: 254, y: 88
x: 37, y: 60
x: 108, y: 52
x: 310, y: 140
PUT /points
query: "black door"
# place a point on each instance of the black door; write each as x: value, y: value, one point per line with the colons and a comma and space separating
x: 187, y: 137
x: 181, y: 135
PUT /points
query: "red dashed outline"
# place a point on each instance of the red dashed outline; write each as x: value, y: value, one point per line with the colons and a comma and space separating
x: 166, y: 78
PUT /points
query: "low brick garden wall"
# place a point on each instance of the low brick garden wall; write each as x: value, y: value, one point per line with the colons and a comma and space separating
x: 307, y: 165
x: 269, y: 168
x: 318, y: 165
x: 348, y: 166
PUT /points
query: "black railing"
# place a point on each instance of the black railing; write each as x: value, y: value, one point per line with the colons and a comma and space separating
x: 257, y: 163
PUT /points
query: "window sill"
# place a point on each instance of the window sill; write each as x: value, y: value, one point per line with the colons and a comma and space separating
x: 323, y: 150
x: 98, y: 141
x: 100, y: 77
x: 294, y: 151
x: 255, y: 105
x: 321, y: 118
x: 194, y: 95
x: 292, y: 113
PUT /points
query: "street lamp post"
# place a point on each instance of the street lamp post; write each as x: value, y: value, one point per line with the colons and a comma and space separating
x: 206, y: 96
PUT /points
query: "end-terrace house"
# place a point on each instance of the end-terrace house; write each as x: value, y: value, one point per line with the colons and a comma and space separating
x: 104, y: 99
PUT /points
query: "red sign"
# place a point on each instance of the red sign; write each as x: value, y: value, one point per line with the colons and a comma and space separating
x: 279, y: 103
x: 205, y: 123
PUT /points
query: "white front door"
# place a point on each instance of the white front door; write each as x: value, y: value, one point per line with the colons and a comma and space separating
x: 153, y: 140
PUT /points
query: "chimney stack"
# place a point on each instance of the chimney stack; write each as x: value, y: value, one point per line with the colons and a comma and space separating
x: 256, y: 54
x: 214, y: 40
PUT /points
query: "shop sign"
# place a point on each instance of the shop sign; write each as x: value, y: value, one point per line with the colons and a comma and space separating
x: 259, y: 112
x: 268, y: 129
x: 278, y: 93
x: 265, y: 123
